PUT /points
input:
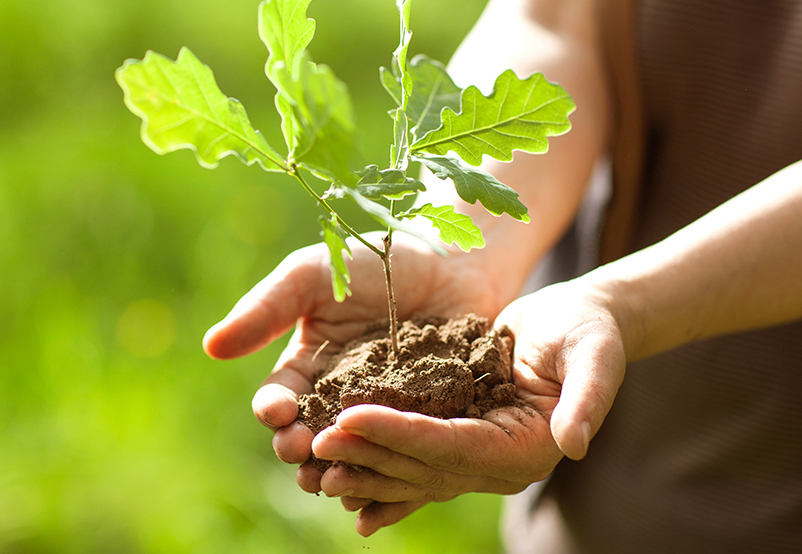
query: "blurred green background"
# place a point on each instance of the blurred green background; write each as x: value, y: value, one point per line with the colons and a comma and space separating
x: 117, y: 434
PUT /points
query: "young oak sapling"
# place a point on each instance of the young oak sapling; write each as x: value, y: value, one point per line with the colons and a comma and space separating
x: 437, y: 124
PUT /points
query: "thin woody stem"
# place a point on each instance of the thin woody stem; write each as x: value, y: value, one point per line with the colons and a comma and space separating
x: 294, y: 172
x: 388, y: 274
x: 384, y: 255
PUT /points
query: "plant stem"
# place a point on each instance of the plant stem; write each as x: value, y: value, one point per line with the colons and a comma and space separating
x: 294, y: 172
x: 383, y: 254
x: 388, y: 274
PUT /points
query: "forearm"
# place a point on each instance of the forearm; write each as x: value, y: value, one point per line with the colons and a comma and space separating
x: 559, y: 39
x: 735, y: 269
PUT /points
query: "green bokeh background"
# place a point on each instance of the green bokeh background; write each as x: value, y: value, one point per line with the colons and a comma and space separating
x: 117, y: 434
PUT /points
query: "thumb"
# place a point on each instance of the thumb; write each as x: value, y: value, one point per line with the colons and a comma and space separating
x: 595, y: 371
x: 271, y: 308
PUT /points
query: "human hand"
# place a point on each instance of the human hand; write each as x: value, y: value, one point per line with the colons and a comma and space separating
x: 569, y: 362
x: 298, y: 292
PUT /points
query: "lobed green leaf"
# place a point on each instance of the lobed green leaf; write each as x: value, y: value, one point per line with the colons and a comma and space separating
x: 401, y: 53
x: 392, y: 184
x: 286, y: 31
x: 454, y: 227
x: 334, y: 237
x: 399, y: 150
x: 432, y: 90
x: 381, y: 214
x: 391, y: 84
x: 473, y: 184
x: 518, y: 115
x: 324, y: 123
x: 182, y: 107
x: 317, y: 118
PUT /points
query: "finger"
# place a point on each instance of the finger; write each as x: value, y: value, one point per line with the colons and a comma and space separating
x: 395, y: 477
x: 271, y: 308
x: 293, y: 443
x: 595, y: 371
x: 459, y: 445
x: 352, y: 504
x: 308, y: 478
x: 378, y: 515
x: 275, y: 404
x: 342, y: 481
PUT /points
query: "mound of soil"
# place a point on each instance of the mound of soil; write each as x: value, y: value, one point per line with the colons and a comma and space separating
x: 445, y: 368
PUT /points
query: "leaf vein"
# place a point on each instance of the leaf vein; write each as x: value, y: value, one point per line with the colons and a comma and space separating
x: 490, y: 127
x: 199, y: 115
x: 173, y: 125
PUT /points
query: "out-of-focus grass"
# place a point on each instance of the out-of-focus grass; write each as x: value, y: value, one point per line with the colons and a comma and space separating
x: 117, y: 434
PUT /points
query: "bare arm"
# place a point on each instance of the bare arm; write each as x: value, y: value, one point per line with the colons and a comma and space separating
x: 737, y: 268
x: 559, y: 39
x: 556, y: 37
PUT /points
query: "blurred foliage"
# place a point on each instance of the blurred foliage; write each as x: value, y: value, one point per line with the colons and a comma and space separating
x: 117, y: 434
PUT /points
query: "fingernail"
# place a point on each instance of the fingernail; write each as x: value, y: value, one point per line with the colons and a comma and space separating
x: 331, y: 457
x: 348, y: 492
x: 264, y: 416
x: 354, y: 431
x: 586, y: 434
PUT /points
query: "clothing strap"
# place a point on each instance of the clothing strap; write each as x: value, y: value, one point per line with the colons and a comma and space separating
x: 617, y: 24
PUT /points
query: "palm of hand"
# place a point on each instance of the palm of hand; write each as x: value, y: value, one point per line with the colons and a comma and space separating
x: 568, y: 364
x: 298, y: 293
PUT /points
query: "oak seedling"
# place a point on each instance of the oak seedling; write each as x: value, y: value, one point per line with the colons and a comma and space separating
x: 436, y: 123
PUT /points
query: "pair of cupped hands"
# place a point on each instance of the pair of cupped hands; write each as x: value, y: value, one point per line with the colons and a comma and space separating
x: 568, y: 364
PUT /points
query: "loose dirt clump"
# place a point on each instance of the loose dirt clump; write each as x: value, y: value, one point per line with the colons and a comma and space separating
x: 445, y: 369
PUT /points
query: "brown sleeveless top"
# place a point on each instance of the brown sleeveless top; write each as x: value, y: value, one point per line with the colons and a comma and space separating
x: 702, y: 451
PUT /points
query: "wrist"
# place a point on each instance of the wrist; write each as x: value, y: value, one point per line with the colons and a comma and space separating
x: 619, y: 297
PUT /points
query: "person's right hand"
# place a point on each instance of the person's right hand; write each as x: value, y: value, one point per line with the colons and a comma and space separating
x: 298, y: 292
x: 568, y: 364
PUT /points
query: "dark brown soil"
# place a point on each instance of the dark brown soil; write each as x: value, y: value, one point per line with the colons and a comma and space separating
x: 445, y: 368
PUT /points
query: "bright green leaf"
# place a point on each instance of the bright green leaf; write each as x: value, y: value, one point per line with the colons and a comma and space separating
x: 518, y: 115
x: 289, y: 123
x: 433, y: 89
x: 453, y: 227
x: 334, y: 237
x: 182, y: 107
x: 400, y: 54
x: 391, y: 85
x: 473, y: 184
x: 326, y: 137
x: 399, y: 151
x: 315, y: 106
x: 392, y: 184
x: 381, y: 214
x: 286, y: 31
x: 323, y: 121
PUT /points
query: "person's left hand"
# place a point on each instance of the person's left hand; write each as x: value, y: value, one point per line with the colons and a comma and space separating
x: 568, y: 364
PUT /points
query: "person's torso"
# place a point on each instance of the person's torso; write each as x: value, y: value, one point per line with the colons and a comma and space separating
x: 702, y: 451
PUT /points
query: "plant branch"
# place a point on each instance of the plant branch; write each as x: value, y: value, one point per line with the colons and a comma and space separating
x: 388, y: 274
x: 294, y: 172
